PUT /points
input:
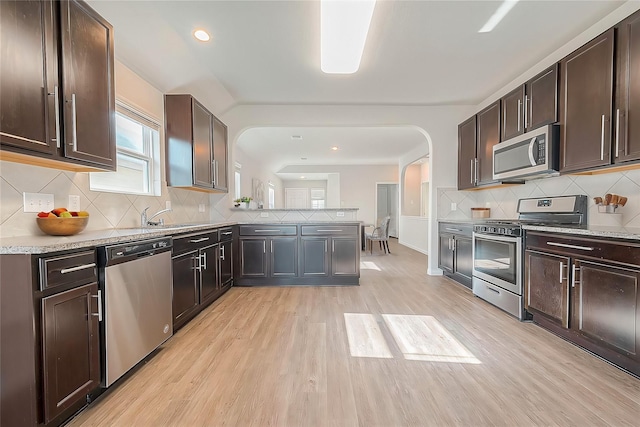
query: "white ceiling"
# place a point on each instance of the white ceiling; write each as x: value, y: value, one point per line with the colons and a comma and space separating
x: 267, y: 52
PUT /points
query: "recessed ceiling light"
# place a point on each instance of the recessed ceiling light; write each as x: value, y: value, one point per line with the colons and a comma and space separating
x: 495, y: 19
x: 202, y: 35
x: 296, y: 137
x: 334, y: 148
x: 344, y: 25
x: 303, y: 158
x: 302, y: 177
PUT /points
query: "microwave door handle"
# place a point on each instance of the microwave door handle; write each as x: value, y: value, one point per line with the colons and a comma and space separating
x: 532, y: 143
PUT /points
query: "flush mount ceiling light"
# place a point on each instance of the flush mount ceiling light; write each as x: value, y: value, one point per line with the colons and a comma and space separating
x: 344, y: 25
x: 495, y: 19
x: 334, y: 148
x: 302, y: 177
x: 202, y: 35
x: 296, y: 137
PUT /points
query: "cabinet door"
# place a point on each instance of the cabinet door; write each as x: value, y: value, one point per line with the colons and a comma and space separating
x: 28, y: 75
x: 284, y: 256
x: 488, y: 136
x: 586, y: 101
x: 541, y: 99
x: 202, y: 139
x: 445, y: 260
x: 88, y: 83
x: 70, y: 348
x: 627, y: 113
x: 208, y: 272
x: 226, y: 263
x: 513, y: 114
x: 220, y: 154
x: 253, y: 257
x: 547, y: 286
x: 467, y: 153
x: 463, y: 248
x: 606, y: 306
x: 345, y: 256
x: 185, y: 287
x: 314, y: 256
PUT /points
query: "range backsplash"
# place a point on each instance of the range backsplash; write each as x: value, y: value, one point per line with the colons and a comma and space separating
x: 504, y: 201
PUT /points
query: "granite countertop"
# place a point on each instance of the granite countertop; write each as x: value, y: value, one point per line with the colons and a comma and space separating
x: 45, y: 244
x: 627, y: 233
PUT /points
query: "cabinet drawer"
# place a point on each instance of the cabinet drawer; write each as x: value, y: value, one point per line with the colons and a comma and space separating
x: 618, y: 251
x: 192, y: 242
x: 226, y: 233
x: 455, y: 228
x: 330, y: 230
x: 268, y: 230
x: 77, y: 268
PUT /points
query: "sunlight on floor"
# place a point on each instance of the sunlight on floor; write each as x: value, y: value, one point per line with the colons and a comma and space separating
x: 424, y: 338
x: 365, y: 337
x: 369, y: 265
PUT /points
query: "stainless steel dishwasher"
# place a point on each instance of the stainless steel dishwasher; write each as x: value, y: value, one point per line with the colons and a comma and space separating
x: 136, y: 282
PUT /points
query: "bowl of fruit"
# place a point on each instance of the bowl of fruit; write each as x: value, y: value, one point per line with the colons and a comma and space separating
x: 61, y: 222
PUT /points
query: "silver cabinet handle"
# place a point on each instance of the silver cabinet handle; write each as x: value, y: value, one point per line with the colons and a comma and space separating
x: 198, y: 262
x: 99, y: 313
x: 74, y: 121
x: 561, y: 271
x: 271, y: 246
x: 222, y: 253
x: 617, y: 132
x: 326, y: 246
x: 264, y: 247
x: 526, y: 111
x: 449, y: 243
x: 56, y: 109
x: 475, y: 172
x: 602, y: 139
x: 204, y: 260
x: 80, y: 267
x: 573, y: 274
x: 202, y: 239
x: 452, y: 229
x: 471, y: 173
x: 264, y: 230
x: 328, y: 229
x: 216, y: 173
x: 226, y: 233
x: 564, y: 245
x: 333, y: 246
x: 519, y: 105
x: 453, y: 244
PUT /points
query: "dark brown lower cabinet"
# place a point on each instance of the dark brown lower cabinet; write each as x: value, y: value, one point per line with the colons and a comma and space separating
x: 606, y: 306
x: 547, y: 284
x: 71, y: 349
x: 587, y: 290
x: 455, y: 251
x: 185, y: 288
x: 344, y: 256
x: 314, y: 256
x: 226, y: 263
x: 209, y: 283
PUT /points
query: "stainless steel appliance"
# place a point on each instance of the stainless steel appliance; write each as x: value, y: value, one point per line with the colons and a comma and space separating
x: 530, y: 155
x: 498, y: 249
x: 136, y: 281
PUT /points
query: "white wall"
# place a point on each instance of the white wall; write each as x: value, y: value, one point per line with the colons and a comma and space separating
x: 357, y: 184
x: 333, y: 190
x: 253, y: 168
x: 411, y: 197
x: 414, y: 233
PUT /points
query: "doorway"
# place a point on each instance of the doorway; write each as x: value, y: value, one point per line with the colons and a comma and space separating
x: 387, y: 205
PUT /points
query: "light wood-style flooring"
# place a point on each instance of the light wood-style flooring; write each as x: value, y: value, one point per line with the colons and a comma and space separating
x: 281, y: 357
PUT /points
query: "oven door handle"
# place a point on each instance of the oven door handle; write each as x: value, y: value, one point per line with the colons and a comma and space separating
x: 498, y: 238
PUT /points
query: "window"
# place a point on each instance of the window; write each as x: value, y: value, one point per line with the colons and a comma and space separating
x: 317, y: 198
x: 272, y: 196
x: 137, y: 154
x: 237, y: 189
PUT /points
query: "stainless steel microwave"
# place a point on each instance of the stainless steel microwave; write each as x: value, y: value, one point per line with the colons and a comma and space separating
x: 530, y: 155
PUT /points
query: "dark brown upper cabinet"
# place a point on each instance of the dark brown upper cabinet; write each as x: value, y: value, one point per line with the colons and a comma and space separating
x: 586, y: 103
x: 627, y: 111
x: 57, y: 83
x: 488, y: 136
x: 196, y: 141
x: 531, y: 105
x: 467, y: 141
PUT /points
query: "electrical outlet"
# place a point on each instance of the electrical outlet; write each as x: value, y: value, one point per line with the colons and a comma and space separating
x: 339, y: 213
x: 201, y: 207
x: 264, y: 214
x: 167, y: 204
x: 454, y: 206
x: 37, y: 202
x: 74, y: 203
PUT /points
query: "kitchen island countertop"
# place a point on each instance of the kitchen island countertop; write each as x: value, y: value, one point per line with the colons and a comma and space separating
x: 612, y: 232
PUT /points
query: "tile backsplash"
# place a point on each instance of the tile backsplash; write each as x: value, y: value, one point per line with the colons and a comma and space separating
x: 106, y: 210
x: 503, y: 201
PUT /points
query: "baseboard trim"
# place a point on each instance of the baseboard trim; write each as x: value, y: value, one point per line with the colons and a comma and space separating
x: 422, y: 251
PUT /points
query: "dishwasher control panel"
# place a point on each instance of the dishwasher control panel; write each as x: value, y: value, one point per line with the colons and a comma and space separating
x: 136, y: 249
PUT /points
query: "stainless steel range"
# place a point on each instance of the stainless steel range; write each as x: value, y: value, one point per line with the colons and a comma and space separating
x: 498, y: 249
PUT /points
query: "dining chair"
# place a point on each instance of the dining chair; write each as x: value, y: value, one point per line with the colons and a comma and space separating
x: 381, y: 235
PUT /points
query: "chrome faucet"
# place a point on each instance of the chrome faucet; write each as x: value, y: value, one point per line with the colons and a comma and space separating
x: 145, y: 222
